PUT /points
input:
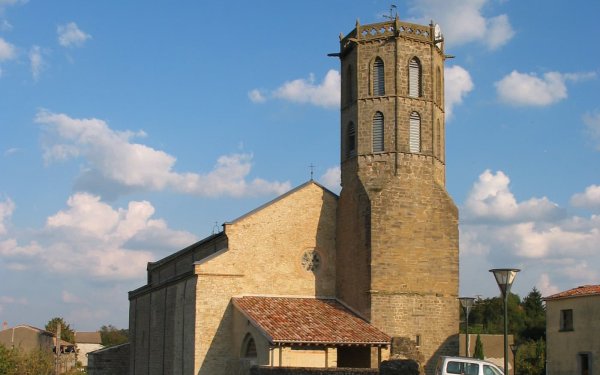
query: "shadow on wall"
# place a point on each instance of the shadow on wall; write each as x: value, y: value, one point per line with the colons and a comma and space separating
x: 448, y: 347
x: 217, y: 358
x: 325, y: 244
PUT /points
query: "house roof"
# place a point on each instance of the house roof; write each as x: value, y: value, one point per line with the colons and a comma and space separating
x: 580, y: 291
x: 88, y: 338
x: 289, y: 320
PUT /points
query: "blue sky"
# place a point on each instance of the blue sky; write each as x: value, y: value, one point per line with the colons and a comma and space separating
x: 129, y: 129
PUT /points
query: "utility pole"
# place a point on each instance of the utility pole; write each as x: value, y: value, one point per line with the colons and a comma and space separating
x: 57, y: 350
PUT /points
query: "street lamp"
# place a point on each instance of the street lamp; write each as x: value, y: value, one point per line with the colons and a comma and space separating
x: 467, y: 303
x: 504, y: 278
x: 514, y: 348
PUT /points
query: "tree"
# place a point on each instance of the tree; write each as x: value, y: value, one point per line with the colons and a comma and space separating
x: 66, y: 333
x: 478, y: 353
x: 111, y: 335
x: 535, y: 316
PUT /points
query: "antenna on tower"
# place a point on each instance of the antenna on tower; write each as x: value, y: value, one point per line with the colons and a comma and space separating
x: 393, y: 13
x: 215, y: 229
x: 312, y: 170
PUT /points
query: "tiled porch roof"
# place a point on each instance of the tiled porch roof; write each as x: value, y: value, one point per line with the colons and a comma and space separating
x: 289, y: 320
x: 580, y: 291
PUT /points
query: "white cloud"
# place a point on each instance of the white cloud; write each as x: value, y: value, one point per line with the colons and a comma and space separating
x: 545, y: 285
x: 590, y: 198
x: 458, y: 84
x: 7, y: 50
x: 462, y: 21
x: 592, y: 123
x: 6, y: 210
x: 256, y: 96
x: 70, y: 35
x: 491, y: 199
x: 332, y: 179
x: 91, y: 238
x: 325, y: 94
x: 70, y: 298
x: 522, y: 89
x: 5, y: 25
x: 535, y: 235
x: 7, y: 3
x: 36, y: 62
x: 114, y: 159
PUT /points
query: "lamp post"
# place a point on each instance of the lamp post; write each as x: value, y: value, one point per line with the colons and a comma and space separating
x: 467, y: 304
x: 504, y: 278
x: 514, y: 348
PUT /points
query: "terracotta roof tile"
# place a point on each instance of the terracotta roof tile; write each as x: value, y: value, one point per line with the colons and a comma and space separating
x: 580, y: 291
x: 308, y: 321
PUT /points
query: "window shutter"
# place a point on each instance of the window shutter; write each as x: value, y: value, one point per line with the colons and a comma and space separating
x: 378, y: 78
x: 415, y: 133
x: 378, y: 132
x: 414, y: 78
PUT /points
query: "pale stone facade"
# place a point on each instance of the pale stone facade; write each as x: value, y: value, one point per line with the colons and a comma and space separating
x: 572, y: 331
x: 386, y: 248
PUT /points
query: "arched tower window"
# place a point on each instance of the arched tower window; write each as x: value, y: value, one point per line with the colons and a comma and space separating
x: 415, y: 133
x: 349, y: 84
x: 414, y: 78
x: 378, y: 77
x: 249, y: 347
x: 378, y: 132
x: 351, y: 139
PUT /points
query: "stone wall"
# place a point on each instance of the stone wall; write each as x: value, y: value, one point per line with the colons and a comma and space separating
x: 264, y: 257
x: 109, y: 361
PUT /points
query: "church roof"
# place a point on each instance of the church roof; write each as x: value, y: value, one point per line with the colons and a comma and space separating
x: 580, y: 291
x: 289, y: 320
x: 282, y: 196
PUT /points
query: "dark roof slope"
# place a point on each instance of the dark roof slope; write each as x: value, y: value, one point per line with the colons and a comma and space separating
x: 288, y: 320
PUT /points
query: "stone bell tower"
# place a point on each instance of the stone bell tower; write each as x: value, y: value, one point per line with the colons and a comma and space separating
x: 397, y: 234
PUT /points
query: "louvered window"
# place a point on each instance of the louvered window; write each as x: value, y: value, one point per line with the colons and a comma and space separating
x: 378, y: 78
x: 415, y: 133
x: 414, y: 78
x: 351, y: 140
x: 378, y: 132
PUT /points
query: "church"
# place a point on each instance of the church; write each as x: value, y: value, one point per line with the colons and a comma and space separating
x: 313, y: 279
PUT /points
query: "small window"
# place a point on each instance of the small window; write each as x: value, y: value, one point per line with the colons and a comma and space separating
x: 249, y: 347
x: 378, y: 132
x: 414, y: 78
x: 566, y: 320
x: 465, y: 368
x: 351, y: 140
x: 378, y: 77
x: 489, y: 370
x: 415, y: 133
x: 584, y: 363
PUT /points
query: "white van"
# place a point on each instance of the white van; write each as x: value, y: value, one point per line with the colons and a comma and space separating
x: 465, y: 366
